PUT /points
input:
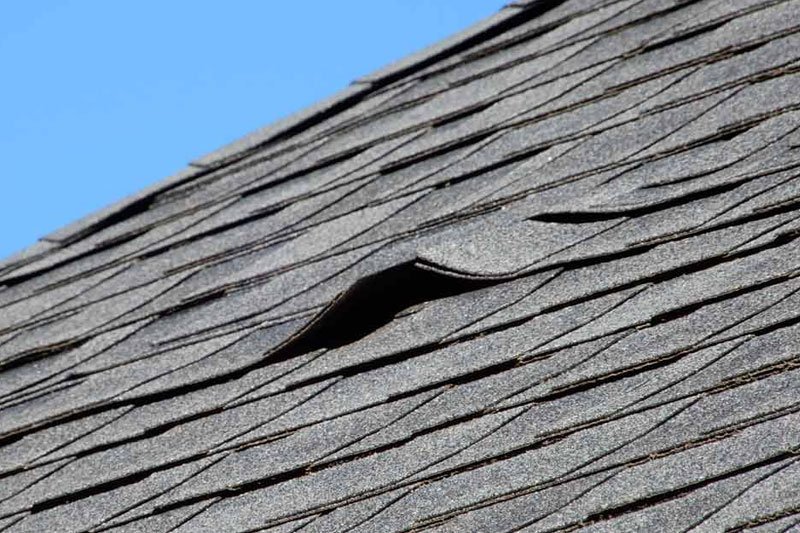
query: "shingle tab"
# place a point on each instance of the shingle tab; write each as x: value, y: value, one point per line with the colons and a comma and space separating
x: 542, y: 276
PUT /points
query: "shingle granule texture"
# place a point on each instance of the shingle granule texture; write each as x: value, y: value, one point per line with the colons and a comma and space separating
x: 542, y: 276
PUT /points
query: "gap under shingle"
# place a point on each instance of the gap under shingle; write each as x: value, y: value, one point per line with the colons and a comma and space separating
x: 376, y: 300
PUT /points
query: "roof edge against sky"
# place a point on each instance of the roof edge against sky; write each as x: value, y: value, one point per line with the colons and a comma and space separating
x: 508, y: 16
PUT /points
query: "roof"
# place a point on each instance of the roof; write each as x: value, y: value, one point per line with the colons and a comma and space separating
x: 542, y: 276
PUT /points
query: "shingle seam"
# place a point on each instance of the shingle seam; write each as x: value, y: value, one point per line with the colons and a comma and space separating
x: 106, y: 217
x: 509, y: 16
x: 94, y: 227
x: 119, y: 211
x: 414, y: 480
x: 620, y: 380
x: 640, y: 504
x: 516, y: 123
x: 118, y: 519
x: 766, y: 519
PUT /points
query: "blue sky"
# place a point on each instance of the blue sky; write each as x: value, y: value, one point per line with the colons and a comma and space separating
x: 101, y: 98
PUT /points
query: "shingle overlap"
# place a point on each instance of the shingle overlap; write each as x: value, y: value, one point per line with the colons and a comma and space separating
x: 542, y: 276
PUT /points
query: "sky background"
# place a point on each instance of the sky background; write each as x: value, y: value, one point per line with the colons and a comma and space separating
x: 100, y: 98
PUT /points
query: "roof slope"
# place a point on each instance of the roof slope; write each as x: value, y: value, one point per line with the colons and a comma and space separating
x: 541, y: 277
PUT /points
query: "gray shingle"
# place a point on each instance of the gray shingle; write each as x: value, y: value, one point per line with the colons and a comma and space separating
x: 542, y: 275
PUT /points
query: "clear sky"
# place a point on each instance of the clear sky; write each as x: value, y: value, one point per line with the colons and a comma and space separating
x: 101, y: 98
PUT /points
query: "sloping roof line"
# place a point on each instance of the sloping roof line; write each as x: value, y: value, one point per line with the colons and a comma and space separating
x: 547, y: 283
x: 510, y: 16
x: 513, y: 14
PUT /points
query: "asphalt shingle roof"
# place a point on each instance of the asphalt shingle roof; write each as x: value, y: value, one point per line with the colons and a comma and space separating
x: 542, y: 276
